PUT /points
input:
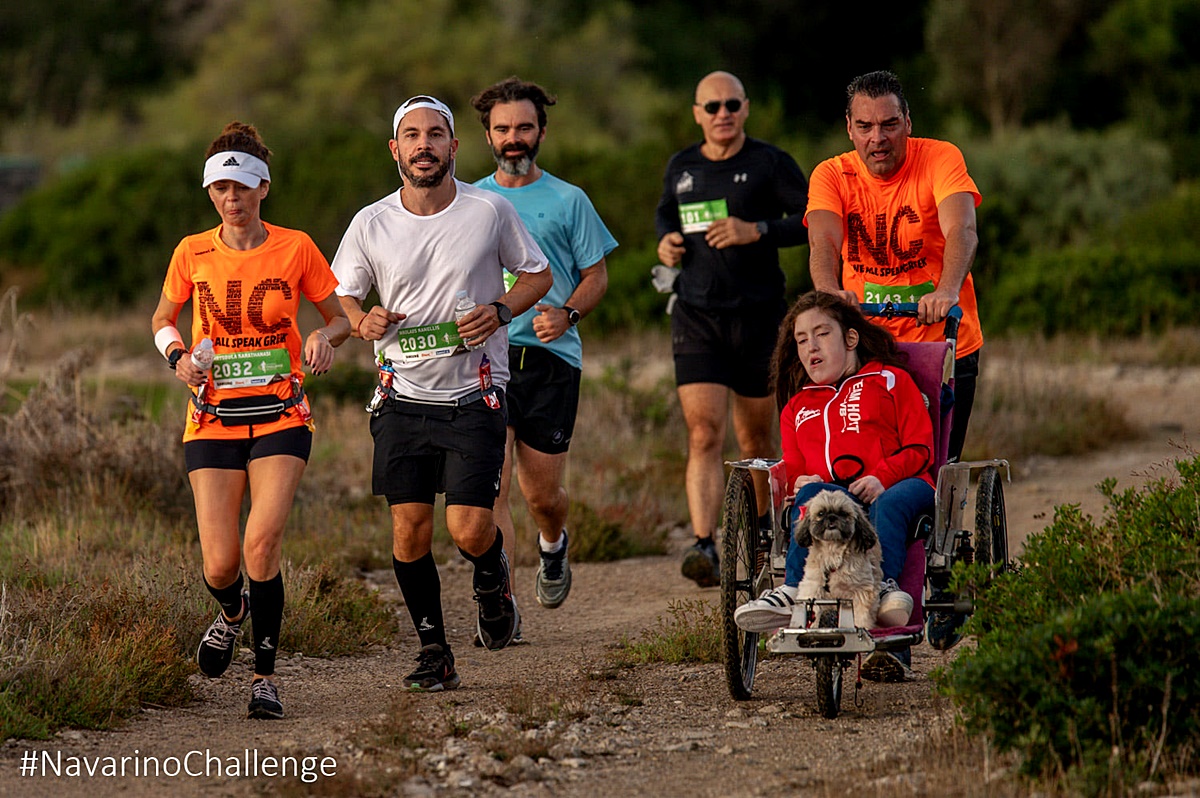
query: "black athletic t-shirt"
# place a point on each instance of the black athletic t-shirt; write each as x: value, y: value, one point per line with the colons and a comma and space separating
x: 760, y: 183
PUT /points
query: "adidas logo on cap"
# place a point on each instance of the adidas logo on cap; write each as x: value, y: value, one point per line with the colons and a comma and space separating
x: 241, y: 167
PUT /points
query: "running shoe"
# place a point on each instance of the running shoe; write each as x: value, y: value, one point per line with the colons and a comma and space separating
x: 499, y: 619
x: 518, y: 638
x: 770, y: 611
x: 435, y: 671
x: 216, y: 647
x: 264, y: 700
x: 701, y: 565
x: 553, y: 580
x: 887, y: 666
x: 895, y: 606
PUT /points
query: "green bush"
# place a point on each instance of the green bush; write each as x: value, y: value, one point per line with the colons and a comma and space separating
x: 1143, y: 279
x: 1049, y: 187
x: 1103, y: 290
x: 103, y: 234
x: 1084, y: 662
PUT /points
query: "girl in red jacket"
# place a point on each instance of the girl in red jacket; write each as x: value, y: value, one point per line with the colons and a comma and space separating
x: 853, y: 420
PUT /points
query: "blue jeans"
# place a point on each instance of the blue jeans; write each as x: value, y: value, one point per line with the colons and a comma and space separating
x: 892, y: 514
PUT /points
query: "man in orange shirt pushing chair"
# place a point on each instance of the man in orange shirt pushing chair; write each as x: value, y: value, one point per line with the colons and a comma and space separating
x: 894, y: 220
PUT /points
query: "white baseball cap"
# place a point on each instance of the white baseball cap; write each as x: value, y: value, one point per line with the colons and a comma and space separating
x: 240, y: 166
x: 421, y: 101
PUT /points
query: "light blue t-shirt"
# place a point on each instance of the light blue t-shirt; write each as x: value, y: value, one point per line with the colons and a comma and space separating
x: 566, y: 226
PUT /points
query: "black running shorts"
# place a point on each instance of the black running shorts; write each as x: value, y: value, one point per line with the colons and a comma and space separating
x: 236, y: 454
x: 422, y: 450
x: 728, y: 347
x: 543, y: 398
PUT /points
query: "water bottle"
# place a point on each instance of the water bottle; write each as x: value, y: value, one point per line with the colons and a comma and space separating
x: 202, y: 355
x: 462, y: 306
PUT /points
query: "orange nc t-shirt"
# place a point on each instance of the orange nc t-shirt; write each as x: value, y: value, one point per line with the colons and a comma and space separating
x: 892, y: 247
x: 246, y: 302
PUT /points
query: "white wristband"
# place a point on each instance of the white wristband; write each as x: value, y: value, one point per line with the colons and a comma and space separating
x: 165, y: 337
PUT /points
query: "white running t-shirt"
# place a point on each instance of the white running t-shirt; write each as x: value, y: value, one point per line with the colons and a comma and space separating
x: 418, y: 264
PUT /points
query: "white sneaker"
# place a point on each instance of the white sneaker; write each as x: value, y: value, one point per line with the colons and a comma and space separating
x: 770, y: 611
x: 895, y: 606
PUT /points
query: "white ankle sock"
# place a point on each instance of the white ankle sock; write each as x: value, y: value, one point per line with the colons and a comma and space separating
x: 551, y: 548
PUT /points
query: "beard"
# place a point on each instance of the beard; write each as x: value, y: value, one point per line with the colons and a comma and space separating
x: 429, y: 180
x: 517, y: 160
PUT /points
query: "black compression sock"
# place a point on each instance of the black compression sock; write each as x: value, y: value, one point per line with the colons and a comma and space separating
x: 422, y: 590
x: 266, y: 602
x: 230, y: 598
x: 487, y: 575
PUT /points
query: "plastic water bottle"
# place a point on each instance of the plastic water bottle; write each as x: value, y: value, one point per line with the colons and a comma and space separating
x: 462, y: 306
x: 202, y: 355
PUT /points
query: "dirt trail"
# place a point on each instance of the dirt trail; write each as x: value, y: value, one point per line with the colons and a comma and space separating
x: 653, y: 730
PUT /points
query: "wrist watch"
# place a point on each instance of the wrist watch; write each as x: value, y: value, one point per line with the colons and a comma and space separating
x: 175, y: 356
x: 762, y: 229
x: 573, y: 315
x: 503, y: 312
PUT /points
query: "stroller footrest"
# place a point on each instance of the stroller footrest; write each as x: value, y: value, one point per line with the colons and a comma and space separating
x: 821, y: 641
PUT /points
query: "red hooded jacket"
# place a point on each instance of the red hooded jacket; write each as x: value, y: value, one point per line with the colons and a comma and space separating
x: 875, y: 423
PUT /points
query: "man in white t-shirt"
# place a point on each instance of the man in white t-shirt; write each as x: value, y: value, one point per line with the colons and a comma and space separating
x: 438, y: 416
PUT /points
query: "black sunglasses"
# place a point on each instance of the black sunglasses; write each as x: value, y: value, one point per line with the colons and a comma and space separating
x: 713, y: 107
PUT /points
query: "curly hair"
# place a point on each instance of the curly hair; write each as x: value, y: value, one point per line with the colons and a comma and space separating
x: 240, y: 137
x: 511, y: 90
x: 875, y: 344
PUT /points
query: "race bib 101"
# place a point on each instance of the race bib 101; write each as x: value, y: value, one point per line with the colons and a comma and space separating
x: 695, y: 217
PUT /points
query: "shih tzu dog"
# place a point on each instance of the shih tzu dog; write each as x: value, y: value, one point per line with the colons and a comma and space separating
x: 843, y: 554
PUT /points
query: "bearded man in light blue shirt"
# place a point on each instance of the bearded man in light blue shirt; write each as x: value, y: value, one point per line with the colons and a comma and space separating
x: 545, y: 350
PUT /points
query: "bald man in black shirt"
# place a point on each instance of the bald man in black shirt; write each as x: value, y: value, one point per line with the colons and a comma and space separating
x: 728, y: 204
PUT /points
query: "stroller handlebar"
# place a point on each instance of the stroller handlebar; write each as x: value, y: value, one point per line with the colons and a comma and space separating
x: 890, y: 310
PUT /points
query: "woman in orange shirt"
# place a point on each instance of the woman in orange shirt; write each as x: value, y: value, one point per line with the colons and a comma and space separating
x: 248, y: 423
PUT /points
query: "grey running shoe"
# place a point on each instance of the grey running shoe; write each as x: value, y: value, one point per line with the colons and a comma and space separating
x: 499, y: 619
x: 553, y: 580
x: 887, y: 666
x: 435, y: 671
x: 700, y: 563
x: 216, y: 647
x: 264, y: 700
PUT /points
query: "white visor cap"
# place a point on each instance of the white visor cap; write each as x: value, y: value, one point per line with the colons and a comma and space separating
x: 422, y: 101
x: 239, y: 166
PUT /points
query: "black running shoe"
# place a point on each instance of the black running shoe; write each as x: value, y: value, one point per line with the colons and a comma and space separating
x: 216, y: 647
x: 499, y: 619
x: 518, y: 638
x: 435, y: 671
x: 264, y: 700
x: 701, y: 564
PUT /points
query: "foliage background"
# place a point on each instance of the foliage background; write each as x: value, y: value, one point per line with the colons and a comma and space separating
x: 1074, y: 116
